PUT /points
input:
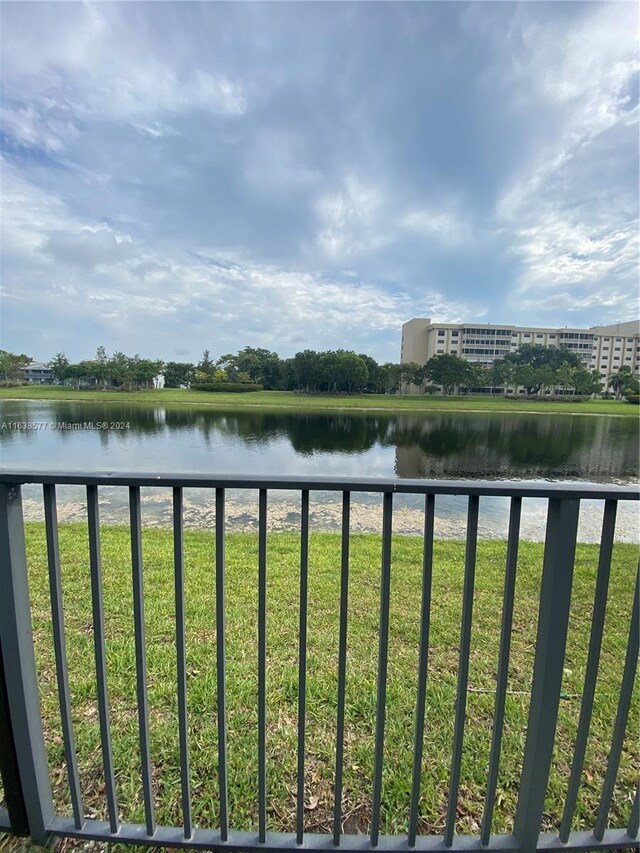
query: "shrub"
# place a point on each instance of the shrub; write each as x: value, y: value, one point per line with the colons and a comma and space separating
x: 226, y: 386
x: 633, y: 398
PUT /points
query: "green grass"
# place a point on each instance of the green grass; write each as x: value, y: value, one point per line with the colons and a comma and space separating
x: 283, y: 614
x: 291, y: 400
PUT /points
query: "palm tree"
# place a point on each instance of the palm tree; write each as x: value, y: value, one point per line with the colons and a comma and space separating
x: 619, y: 380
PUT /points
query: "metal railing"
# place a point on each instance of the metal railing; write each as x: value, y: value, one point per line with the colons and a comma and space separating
x: 23, y: 762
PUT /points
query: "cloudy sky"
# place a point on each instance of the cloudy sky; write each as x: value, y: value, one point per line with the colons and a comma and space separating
x: 293, y: 175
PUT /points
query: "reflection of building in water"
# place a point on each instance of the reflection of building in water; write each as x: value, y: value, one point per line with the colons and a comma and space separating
x: 598, y: 449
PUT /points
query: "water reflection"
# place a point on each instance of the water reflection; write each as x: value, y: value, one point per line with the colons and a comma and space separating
x: 417, y: 446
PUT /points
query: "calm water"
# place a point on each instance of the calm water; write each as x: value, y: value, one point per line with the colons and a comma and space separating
x: 171, y: 440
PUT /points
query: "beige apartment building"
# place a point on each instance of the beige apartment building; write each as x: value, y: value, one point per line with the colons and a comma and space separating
x: 602, y: 348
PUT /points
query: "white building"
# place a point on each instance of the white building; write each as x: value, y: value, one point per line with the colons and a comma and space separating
x: 602, y: 348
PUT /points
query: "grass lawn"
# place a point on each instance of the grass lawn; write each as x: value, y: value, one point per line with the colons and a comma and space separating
x: 291, y: 400
x: 282, y: 674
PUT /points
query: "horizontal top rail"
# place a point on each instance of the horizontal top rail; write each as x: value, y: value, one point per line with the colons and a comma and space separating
x: 497, y: 488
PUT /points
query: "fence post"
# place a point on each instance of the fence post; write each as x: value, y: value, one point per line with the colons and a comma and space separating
x: 20, y: 681
x: 9, y: 765
x: 553, y: 618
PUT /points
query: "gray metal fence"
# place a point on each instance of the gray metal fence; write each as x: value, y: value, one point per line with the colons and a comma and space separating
x: 30, y: 808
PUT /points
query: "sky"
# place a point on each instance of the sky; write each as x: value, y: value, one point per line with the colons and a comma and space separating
x: 182, y: 176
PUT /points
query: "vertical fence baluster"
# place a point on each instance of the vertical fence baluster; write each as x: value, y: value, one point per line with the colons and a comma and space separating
x: 463, y: 666
x: 21, y: 711
x: 262, y: 666
x: 60, y: 649
x: 141, y: 655
x: 221, y: 664
x: 634, y: 819
x: 93, y: 522
x: 342, y: 667
x: 593, y: 660
x: 503, y: 665
x: 385, y: 589
x: 181, y: 655
x: 302, y: 660
x: 9, y: 771
x: 622, y: 715
x: 553, y: 618
x: 423, y: 661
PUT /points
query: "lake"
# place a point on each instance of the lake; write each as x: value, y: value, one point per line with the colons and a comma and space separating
x: 587, y: 448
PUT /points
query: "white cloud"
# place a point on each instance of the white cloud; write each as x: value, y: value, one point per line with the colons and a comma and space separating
x: 349, y: 219
x: 93, y: 65
x: 572, y: 212
x: 85, y: 272
x: 442, y: 224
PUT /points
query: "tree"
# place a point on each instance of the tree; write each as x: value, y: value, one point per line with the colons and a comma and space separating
x: 448, y: 371
x: 390, y: 377
x: 142, y: 371
x: 373, y: 374
x: 538, y: 356
x: 480, y: 376
x: 305, y: 369
x: 11, y: 365
x: 119, y: 368
x: 177, y: 373
x: 287, y: 379
x: 619, y: 380
x: 502, y: 373
x: 564, y: 375
x: 350, y: 371
x: 205, y: 364
x: 544, y: 377
x: 524, y: 376
x: 101, y: 366
x: 59, y: 364
x: 260, y: 365
x: 587, y: 382
x: 75, y: 372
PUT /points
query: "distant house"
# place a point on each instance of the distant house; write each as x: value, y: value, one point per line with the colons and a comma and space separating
x: 38, y: 374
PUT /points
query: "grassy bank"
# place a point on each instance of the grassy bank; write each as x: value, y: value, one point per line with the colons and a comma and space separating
x: 303, y: 402
x: 283, y: 614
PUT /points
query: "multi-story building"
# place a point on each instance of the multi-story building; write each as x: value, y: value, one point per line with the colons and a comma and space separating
x: 38, y: 374
x: 602, y: 348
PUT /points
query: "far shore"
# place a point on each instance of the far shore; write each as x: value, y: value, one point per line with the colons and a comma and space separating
x: 301, y: 402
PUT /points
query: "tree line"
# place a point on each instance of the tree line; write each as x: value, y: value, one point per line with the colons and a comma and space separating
x: 328, y: 371
x: 536, y: 369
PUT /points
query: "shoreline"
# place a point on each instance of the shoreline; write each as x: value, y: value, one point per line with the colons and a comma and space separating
x: 283, y: 516
x: 286, y: 400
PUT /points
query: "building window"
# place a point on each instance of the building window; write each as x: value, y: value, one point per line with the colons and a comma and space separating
x: 607, y: 339
x: 617, y: 349
x: 628, y: 358
x: 539, y: 336
x: 527, y: 335
x: 440, y: 351
x: 618, y: 340
x: 455, y: 334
